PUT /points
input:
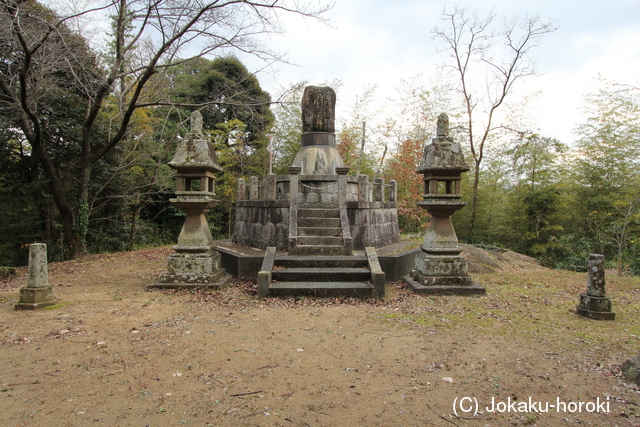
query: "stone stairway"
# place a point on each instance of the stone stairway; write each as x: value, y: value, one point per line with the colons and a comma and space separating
x: 358, y: 275
x: 319, y: 232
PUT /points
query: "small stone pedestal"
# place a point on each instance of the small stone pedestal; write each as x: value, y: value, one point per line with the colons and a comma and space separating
x: 195, y: 264
x: 595, y: 303
x: 38, y: 293
x: 439, y: 267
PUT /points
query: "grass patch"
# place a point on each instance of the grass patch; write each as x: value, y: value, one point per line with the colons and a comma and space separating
x: 59, y: 305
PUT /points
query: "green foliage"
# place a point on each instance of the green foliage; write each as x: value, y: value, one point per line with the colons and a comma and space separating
x: 287, y: 128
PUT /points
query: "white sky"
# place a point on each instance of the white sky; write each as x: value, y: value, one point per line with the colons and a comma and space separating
x: 381, y: 41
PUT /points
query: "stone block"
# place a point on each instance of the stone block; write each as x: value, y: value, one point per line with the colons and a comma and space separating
x: 328, y: 199
x: 631, y: 370
x: 35, y: 298
x: 441, y: 265
x: 313, y: 198
x: 598, y: 308
x: 186, y: 263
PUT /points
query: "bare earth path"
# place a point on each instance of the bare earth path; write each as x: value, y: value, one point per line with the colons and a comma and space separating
x: 118, y: 355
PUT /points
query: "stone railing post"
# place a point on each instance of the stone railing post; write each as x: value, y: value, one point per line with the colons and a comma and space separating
x: 363, y: 188
x: 294, y: 171
x: 242, y: 189
x: 270, y: 187
x: 342, y: 204
x: 379, y: 189
x: 393, y: 191
x: 254, y: 191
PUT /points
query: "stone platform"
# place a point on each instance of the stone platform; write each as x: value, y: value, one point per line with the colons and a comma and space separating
x: 472, y: 289
x: 244, y: 262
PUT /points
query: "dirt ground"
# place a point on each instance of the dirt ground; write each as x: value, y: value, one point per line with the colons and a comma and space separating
x: 114, y: 354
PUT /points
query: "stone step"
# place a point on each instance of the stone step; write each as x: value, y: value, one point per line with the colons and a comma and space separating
x: 323, y: 289
x: 318, y: 250
x: 321, y: 261
x: 318, y: 213
x: 319, y: 222
x: 320, y: 240
x: 319, y: 231
x: 360, y: 274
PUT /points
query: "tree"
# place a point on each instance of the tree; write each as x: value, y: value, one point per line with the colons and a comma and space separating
x: 411, y: 125
x: 352, y: 138
x: 40, y: 55
x: 605, y: 170
x: 499, y: 58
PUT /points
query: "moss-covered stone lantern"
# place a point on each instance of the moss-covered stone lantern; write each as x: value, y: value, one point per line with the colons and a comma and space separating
x: 439, y: 267
x: 195, y: 262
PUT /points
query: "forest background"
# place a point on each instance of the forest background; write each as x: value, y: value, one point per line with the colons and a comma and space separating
x: 86, y: 131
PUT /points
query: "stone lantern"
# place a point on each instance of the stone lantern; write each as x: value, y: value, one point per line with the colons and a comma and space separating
x: 439, y: 267
x: 195, y: 262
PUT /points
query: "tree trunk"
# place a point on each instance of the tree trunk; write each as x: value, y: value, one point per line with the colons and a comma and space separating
x: 474, y: 203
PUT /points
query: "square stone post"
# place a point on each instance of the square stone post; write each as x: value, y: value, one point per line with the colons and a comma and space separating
x: 38, y: 293
x: 347, y: 240
x: 363, y: 188
x: 379, y: 189
x: 242, y: 189
x: 393, y: 190
x: 294, y: 171
x: 254, y: 192
x: 269, y: 186
x: 595, y: 303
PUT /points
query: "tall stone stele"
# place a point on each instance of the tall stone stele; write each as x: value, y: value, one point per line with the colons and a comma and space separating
x: 195, y: 262
x: 595, y: 303
x: 439, y: 267
x: 38, y: 293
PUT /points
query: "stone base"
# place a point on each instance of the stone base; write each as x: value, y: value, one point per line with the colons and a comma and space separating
x: 36, y: 298
x: 194, y: 263
x: 595, y: 307
x: 442, y: 274
x: 446, y: 286
x: 193, y: 270
x: 440, y: 265
x: 192, y: 281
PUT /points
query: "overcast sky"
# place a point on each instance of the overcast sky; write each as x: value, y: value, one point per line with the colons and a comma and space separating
x: 381, y: 41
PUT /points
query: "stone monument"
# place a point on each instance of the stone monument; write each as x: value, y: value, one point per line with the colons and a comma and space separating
x: 595, y: 303
x: 319, y: 226
x: 439, y: 267
x: 317, y: 209
x: 318, y: 154
x: 38, y: 293
x: 195, y: 263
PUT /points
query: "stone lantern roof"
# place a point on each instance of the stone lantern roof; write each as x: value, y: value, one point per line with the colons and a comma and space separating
x: 443, y: 154
x: 195, y: 152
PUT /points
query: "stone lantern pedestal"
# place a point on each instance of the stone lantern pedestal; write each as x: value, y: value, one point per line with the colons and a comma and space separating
x: 195, y: 263
x: 439, y: 267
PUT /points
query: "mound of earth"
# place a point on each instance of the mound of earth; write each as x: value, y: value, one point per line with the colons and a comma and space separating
x: 483, y: 261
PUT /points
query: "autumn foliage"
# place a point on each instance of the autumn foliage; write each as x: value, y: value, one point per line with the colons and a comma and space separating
x: 402, y: 167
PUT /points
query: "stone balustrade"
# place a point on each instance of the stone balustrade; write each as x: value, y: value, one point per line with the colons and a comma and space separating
x: 266, y: 210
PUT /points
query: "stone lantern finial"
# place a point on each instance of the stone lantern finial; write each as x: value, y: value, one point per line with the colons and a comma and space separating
x: 442, y: 126
x: 196, y: 123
